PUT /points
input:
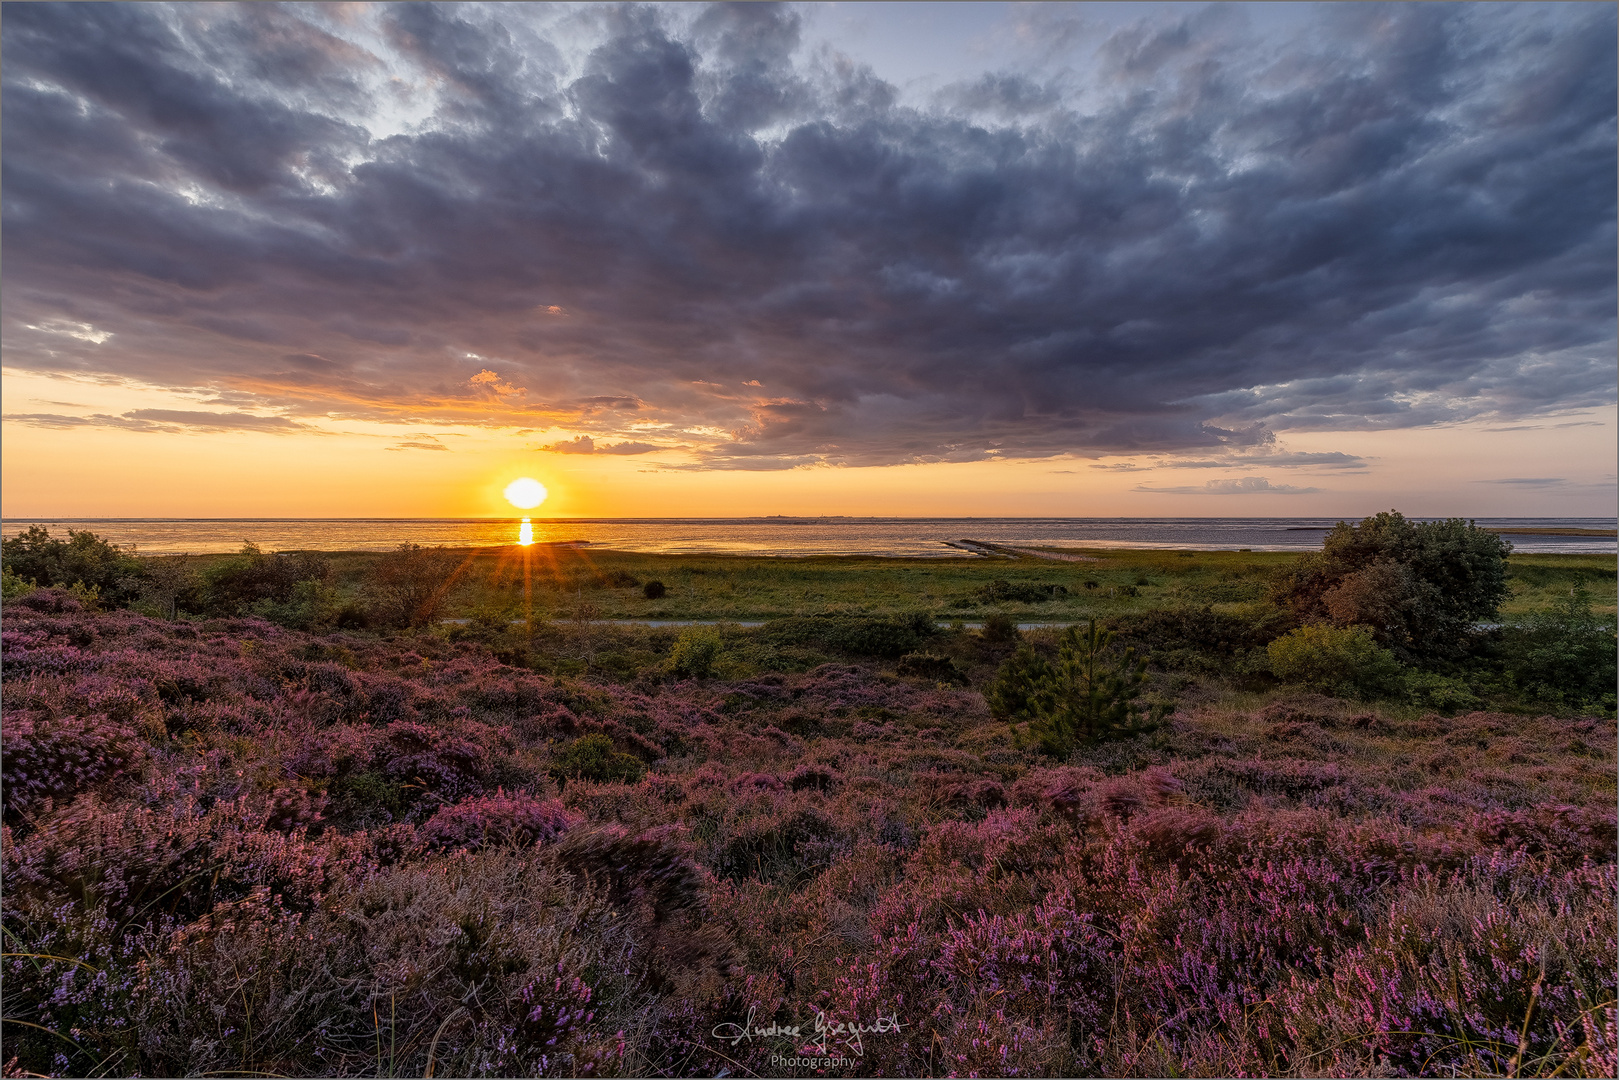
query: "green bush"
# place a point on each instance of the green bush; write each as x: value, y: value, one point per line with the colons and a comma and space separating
x: 1564, y: 654
x: 889, y: 638
x: 1201, y: 639
x: 1335, y: 659
x: 1000, y: 628
x: 1087, y: 695
x: 1001, y: 591
x: 928, y: 666
x: 170, y: 584
x: 654, y: 590
x: 254, y: 583
x: 695, y: 652
x: 85, y: 559
x: 1442, y: 693
x: 1418, y: 586
x: 593, y: 757
x: 12, y: 586
x: 309, y: 605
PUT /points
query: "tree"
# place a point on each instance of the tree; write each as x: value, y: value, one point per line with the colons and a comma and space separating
x: 1087, y: 695
x: 1418, y: 586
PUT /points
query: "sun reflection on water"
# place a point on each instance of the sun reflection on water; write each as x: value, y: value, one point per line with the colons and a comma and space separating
x: 525, y: 533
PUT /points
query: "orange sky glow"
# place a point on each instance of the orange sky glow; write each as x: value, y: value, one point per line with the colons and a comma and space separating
x: 367, y: 469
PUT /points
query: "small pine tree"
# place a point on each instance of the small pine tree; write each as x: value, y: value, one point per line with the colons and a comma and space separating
x: 1087, y: 695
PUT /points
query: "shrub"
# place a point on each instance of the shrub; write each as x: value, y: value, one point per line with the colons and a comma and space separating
x: 1419, y: 586
x: 890, y: 638
x: 410, y: 584
x: 1011, y: 694
x: 309, y: 605
x: 818, y: 777
x: 1565, y: 653
x: 1334, y: 659
x: 1023, y: 592
x: 654, y: 590
x: 83, y: 559
x: 170, y: 583
x: 928, y: 666
x: 1201, y: 638
x: 1087, y: 695
x: 268, y: 585
x: 1000, y: 628
x: 1441, y: 693
x: 649, y: 866
x: 694, y: 653
x: 496, y: 819
x: 426, y: 757
x: 593, y: 757
x: 13, y: 587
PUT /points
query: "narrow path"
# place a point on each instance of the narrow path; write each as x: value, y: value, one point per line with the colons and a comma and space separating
x: 1059, y: 556
x: 1009, y: 551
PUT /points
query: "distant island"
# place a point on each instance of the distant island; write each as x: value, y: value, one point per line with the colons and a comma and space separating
x: 1553, y: 532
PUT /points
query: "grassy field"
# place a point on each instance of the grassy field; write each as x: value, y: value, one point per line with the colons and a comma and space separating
x: 567, y: 583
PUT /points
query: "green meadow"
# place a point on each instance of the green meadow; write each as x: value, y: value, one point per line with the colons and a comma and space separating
x: 570, y: 583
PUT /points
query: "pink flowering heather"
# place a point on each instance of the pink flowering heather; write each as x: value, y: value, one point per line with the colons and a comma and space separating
x: 52, y: 759
x: 232, y: 847
x: 496, y: 819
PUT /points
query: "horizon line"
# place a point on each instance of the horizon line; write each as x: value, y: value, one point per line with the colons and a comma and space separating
x: 6, y: 519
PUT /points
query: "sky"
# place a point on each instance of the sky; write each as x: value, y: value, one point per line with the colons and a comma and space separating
x: 893, y: 259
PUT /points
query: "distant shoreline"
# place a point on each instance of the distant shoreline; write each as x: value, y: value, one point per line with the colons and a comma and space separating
x: 1554, y: 532
x: 783, y: 537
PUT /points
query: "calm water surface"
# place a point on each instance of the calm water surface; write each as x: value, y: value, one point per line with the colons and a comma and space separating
x: 764, y: 536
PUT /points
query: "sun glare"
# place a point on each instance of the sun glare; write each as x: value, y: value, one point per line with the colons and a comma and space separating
x: 525, y: 494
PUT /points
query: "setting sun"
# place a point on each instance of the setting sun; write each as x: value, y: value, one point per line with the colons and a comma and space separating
x: 525, y: 494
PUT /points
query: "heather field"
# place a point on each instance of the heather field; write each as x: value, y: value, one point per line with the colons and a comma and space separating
x: 233, y: 847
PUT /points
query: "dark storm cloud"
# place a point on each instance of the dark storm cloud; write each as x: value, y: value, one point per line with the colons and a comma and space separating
x: 1199, y: 235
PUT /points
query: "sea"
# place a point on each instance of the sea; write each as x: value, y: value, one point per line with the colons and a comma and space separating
x: 770, y: 536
